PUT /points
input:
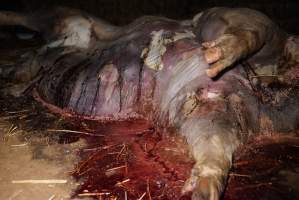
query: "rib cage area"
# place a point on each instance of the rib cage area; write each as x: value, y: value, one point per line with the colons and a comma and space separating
x: 115, y: 81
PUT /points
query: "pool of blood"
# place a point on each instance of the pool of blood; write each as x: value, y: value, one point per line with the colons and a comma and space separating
x: 132, y: 160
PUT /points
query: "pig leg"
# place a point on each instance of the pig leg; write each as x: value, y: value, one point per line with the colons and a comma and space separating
x: 231, y: 34
x: 213, y: 143
x: 229, y: 48
x: 212, y: 131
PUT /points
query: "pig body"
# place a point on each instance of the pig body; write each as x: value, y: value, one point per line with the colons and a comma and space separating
x: 155, y: 69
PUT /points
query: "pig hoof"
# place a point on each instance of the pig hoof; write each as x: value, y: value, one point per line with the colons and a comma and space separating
x: 213, y: 54
x: 203, y: 188
x: 222, y: 53
x: 206, y: 189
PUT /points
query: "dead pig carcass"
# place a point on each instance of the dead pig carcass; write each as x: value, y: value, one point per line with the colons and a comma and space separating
x: 155, y: 69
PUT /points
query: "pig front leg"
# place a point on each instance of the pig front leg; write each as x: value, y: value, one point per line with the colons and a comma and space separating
x: 229, y: 48
x: 232, y: 34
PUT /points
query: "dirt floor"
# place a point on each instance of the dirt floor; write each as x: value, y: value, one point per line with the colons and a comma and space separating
x: 31, y: 153
x: 34, y: 159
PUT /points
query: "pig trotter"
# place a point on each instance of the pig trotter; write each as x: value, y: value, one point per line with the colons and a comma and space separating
x: 208, y: 177
x: 229, y: 48
x: 203, y: 187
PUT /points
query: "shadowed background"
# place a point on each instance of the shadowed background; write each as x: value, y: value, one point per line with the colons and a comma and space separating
x: 283, y: 12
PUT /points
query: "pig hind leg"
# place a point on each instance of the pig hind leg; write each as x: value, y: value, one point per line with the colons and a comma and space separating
x: 212, y: 142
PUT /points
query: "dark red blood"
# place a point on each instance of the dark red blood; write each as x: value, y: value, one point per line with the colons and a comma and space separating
x: 158, y: 166
x: 155, y: 165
